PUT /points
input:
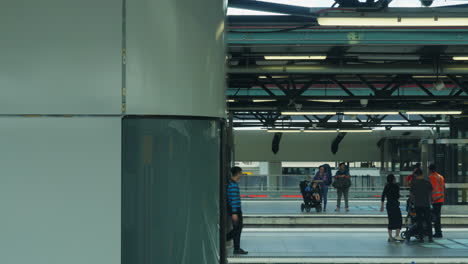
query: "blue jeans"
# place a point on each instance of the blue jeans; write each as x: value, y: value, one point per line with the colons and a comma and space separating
x: 324, y: 196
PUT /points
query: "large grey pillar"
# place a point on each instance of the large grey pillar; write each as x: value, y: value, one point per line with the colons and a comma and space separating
x: 175, y: 107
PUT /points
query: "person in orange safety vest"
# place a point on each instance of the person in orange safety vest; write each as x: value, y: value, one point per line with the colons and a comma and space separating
x: 438, y: 195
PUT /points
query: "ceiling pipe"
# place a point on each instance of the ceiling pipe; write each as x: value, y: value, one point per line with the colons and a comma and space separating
x: 414, y: 69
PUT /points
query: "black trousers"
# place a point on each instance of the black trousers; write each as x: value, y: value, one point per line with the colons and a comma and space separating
x: 437, y: 207
x: 424, y: 221
x: 236, y: 231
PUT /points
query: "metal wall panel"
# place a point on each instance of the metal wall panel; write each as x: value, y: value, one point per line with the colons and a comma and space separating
x: 61, y: 57
x: 170, y: 186
x: 60, y: 190
x: 175, y: 51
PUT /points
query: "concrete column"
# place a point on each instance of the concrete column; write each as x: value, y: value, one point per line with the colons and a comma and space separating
x: 175, y: 104
x: 275, y: 171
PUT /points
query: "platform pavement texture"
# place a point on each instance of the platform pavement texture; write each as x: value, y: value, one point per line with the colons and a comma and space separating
x: 335, y: 245
x: 359, y: 207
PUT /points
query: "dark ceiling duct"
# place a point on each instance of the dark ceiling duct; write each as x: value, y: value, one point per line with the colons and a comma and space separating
x: 336, y: 142
x: 276, y: 142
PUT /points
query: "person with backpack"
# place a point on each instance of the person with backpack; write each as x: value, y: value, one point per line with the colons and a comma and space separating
x: 323, y: 176
x: 235, y: 210
x: 438, y: 195
x: 342, y: 183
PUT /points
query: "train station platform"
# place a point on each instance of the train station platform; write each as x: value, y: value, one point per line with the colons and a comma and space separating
x: 284, y: 213
x: 347, y: 245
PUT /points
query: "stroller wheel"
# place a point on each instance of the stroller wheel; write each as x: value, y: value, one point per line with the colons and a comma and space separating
x: 403, y: 235
x: 302, y: 207
x: 308, y: 209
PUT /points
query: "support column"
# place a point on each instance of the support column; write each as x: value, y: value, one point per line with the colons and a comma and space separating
x: 175, y: 107
x: 274, y: 180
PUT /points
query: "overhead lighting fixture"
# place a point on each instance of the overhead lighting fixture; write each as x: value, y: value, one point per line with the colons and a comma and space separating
x: 320, y: 131
x: 274, y: 77
x: 429, y: 77
x: 389, y: 57
x: 326, y: 101
x: 372, y: 113
x: 284, y: 130
x: 461, y: 58
x: 338, y: 131
x: 434, y: 112
x: 263, y: 100
x: 357, y: 131
x: 392, y: 20
x: 298, y: 57
x: 308, y: 113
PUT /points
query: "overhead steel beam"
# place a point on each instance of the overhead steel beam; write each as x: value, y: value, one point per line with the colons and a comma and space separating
x: 459, y: 84
x: 422, y: 87
x: 272, y: 7
x: 349, y: 36
x: 414, y: 69
x: 356, y: 98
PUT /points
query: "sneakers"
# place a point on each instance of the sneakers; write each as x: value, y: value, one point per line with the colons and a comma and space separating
x: 437, y: 236
x: 391, y: 239
x: 337, y: 209
x: 399, y: 238
x: 347, y: 210
x: 240, y: 251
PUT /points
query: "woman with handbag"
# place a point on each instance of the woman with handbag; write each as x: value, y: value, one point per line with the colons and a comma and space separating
x: 324, y: 177
x: 342, y: 184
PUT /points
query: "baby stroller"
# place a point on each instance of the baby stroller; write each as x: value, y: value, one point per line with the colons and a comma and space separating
x: 411, y: 223
x: 311, y: 196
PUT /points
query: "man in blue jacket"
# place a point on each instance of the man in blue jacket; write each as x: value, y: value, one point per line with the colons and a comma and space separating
x: 235, y: 210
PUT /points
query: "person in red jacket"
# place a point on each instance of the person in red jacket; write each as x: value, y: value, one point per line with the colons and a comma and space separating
x: 438, y: 195
x: 409, y: 179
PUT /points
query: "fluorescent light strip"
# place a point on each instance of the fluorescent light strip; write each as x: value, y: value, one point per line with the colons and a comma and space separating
x: 338, y: 131
x: 284, y: 131
x: 274, y: 77
x: 263, y: 100
x: 326, y: 101
x: 316, y: 57
x: 371, y: 113
x: 434, y: 112
x: 429, y: 77
x: 231, y: 101
x: 308, y: 113
x: 460, y: 58
x: 392, y: 21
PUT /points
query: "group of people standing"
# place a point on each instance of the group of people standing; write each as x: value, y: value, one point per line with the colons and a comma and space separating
x: 424, y: 193
x: 341, y: 181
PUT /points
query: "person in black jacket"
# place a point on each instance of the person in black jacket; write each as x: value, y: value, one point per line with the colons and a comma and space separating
x: 392, y: 193
x: 421, y: 194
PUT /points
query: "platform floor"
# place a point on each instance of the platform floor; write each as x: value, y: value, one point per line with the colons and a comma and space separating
x: 358, y: 207
x: 331, y: 243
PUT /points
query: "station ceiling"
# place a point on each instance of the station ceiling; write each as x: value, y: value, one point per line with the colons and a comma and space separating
x: 394, y: 76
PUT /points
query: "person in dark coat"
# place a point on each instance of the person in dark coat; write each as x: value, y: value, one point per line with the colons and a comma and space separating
x: 395, y: 221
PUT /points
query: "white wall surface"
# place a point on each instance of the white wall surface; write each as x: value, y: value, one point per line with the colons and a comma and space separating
x: 60, y: 190
x: 61, y: 57
x: 175, y: 51
x: 256, y: 146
